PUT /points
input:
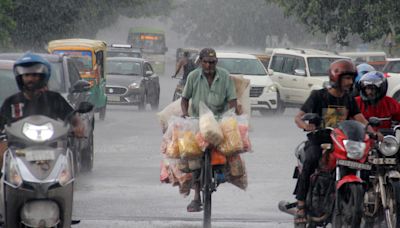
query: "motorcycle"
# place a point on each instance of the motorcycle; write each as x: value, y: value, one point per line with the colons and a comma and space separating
x: 336, y: 190
x: 38, y: 173
x: 382, y: 200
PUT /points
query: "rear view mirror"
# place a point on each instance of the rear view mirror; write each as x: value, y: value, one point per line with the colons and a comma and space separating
x: 81, y: 86
x: 270, y: 72
x: 149, y: 73
x: 299, y: 72
x: 374, y: 121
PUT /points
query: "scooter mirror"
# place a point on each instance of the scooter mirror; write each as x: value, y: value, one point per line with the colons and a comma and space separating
x: 374, y: 121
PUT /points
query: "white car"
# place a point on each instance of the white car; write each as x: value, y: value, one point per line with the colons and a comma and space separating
x: 296, y: 72
x: 392, y: 73
x: 263, y: 96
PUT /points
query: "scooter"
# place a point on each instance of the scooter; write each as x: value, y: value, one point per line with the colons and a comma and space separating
x: 382, y: 200
x: 336, y: 190
x: 179, y: 89
x: 38, y: 173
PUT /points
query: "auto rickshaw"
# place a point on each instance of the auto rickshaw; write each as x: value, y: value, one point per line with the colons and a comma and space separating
x: 90, y: 59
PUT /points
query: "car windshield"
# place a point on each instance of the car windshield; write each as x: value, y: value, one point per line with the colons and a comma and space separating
x: 124, y: 54
x: 8, y: 86
x: 242, y: 66
x: 83, y: 59
x: 123, y: 67
x: 392, y: 67
x: 319, y: 66
x: 57, y: 81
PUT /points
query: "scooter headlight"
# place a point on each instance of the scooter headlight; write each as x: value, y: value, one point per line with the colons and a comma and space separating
x: 355, y: 149
x: 65, y: 175
x: 13, y: 175
x: 389, y: 146
x: 38, y: 133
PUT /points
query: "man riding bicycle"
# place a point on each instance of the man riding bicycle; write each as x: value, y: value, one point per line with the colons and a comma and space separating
x: 213, y: 86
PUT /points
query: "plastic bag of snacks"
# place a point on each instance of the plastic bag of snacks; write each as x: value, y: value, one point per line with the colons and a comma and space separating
x: 232, y: 142
x: 188, y: 147
x: 203, y: 144
x: 209, y: 127
x: 217, y: 158
x: 173, y: 109
x: 237, y: 172
x: 244, y: 132
x: 171, y: 137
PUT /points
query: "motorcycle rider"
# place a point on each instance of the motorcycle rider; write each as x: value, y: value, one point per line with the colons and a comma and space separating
x: 362, y: 69
x: 334, y: 104
x: 32, y: 73
x: 213, y: 86
x: 373, y: 101
x: 187, y: 64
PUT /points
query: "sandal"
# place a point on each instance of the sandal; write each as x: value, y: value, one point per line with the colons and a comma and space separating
x: 300, y: 216
x: 194, y: 206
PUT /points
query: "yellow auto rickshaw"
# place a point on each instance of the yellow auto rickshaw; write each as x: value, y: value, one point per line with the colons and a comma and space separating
x: 90, y: 56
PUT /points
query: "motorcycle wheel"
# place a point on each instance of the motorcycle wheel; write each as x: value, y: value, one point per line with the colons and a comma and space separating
x: 348, y: 210
x: 392, y: 197
x: 207, y: 191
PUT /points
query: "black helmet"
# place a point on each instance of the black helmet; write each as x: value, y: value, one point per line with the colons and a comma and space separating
x: 32, y: 64
x: 378, y: 81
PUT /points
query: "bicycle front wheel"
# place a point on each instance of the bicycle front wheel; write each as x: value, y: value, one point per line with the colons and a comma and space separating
x: 207, y: 191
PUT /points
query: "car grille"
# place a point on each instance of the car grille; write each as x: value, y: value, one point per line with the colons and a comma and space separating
x: 256, y: 91
x: 116, y: 90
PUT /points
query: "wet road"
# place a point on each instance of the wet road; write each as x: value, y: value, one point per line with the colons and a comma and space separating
x: 124, y: 190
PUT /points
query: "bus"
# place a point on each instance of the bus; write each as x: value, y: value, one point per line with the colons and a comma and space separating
x: 151, y: 41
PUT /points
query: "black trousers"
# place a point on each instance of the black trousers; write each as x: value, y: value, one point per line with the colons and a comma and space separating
x: 313, y: 153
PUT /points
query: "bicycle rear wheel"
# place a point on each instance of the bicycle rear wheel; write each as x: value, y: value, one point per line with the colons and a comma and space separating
x: 207, y: 191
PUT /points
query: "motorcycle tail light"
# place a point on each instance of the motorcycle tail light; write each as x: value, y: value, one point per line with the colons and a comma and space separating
x: 354, y: 149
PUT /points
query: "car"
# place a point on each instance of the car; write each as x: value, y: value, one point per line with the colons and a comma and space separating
x: 264, y: 58
x: 132, y: 81
x: 123, y: 50
x: 66, y: 80
x: 377, y: 59
x: 263, y: 96
x: 297, y: 72
x: 392, y: 72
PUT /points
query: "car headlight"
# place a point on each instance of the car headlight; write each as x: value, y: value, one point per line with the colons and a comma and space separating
x: 271, y: 88
x: 134, y: 85
x: 389, y: 146
x: 65, y: 175
x: 13, y: 175
x: 355, y: 149
x: 38, y: 133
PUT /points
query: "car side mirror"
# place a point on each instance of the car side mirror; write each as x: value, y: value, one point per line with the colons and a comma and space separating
x: 270, y: 72
x: 148, y: 73
x: 85, y: 107
x: 81, y: 86
x: 299, y: 72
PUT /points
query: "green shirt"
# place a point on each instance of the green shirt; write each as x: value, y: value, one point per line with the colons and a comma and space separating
x: 216, y: 97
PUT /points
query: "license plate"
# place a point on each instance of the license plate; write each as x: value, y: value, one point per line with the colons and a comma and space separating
x: 113, y: 98
x: 383, y: 161
x: 39, y: 155
x: 353, y: 164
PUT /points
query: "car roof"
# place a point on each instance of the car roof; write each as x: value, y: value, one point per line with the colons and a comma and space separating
x: 392, y: 59
x: 306, y: 52
x: 363, y: 53
x: 6, y: 64
x: 15, y: 56
x: 235, y: 55
x: 133, y: 59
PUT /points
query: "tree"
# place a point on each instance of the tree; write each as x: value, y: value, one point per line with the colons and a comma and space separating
x: 37, y: 22
x: 370, y: 19
x: 7, y: 24
x: 234, y: 22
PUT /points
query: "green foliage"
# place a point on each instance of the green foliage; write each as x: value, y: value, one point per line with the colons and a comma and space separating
x: 35, y: 22
x: 370, y: 19
x: 7, y: 24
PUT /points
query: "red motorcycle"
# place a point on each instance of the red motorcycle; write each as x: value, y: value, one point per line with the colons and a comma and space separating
x: 336, y: 191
